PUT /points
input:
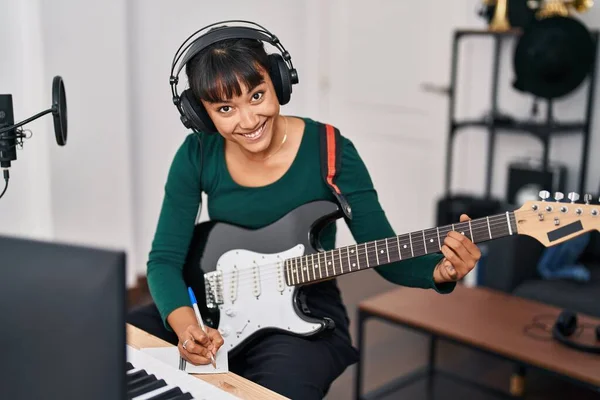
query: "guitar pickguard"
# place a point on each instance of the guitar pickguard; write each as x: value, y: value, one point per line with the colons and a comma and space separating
x: 255, y: 297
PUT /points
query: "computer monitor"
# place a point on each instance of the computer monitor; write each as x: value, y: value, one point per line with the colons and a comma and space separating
x: 62, y: 321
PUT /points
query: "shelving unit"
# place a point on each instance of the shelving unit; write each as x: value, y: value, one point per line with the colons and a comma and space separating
x: 542, y: 130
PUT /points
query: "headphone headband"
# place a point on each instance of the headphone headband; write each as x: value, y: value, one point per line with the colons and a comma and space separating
x: 222, y: 33
x: 280, y: 67
x: 219, y: 34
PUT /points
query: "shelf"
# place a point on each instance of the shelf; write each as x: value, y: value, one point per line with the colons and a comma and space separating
x: 538, y: 129
x: 486, y: 32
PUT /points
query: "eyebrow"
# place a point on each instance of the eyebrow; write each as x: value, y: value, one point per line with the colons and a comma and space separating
x: 262, y: 82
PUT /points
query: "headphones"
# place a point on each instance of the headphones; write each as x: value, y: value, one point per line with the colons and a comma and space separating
x: 281, y: 70
x: 565, y: 325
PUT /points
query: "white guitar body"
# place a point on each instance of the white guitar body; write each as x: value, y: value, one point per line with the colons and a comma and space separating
x: 255, y: 296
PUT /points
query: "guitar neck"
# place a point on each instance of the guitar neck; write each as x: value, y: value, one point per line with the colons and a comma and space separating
x: 329, y: 264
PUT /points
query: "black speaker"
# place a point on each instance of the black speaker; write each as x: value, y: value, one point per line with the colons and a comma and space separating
x: 525, y: 180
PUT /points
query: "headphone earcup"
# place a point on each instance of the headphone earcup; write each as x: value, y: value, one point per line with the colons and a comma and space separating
x: 194, y: 114
x: 566, y: 323
x: 280, y: 75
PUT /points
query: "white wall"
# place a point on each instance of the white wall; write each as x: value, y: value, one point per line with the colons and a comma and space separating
x: 25, y: 209
x: 105, y: 187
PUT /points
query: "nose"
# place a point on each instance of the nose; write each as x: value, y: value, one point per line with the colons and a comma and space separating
x: 248, y: 119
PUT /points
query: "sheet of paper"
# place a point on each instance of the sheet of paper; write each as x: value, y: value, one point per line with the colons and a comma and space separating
x: 170, y: 356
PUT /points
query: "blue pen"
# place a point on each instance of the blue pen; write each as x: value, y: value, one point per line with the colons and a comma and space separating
x: 199, y: 318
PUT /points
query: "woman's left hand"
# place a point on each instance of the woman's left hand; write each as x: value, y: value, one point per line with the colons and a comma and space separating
x: 460, y: 256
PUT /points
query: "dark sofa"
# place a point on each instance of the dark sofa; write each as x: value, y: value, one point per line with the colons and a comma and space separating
x: 510, y: 265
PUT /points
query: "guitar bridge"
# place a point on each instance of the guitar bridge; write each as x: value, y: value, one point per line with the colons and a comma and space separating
x: 213, y: 287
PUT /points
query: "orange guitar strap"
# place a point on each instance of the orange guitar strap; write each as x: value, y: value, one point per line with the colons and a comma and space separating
x: 331, y: 163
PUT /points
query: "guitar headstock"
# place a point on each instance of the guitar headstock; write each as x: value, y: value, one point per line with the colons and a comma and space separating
x: 553, y: 221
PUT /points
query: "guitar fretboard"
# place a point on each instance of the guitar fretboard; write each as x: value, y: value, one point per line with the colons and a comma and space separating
x: 328, y: 264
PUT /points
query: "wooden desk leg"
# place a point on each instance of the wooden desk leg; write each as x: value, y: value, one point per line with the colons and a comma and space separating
x: 517, y: 382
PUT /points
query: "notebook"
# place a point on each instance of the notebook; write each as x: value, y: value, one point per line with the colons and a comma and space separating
x: 170, y: 356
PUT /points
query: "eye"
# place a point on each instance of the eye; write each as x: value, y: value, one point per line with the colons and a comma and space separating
x: 224, y: 109
x: 257, y: 96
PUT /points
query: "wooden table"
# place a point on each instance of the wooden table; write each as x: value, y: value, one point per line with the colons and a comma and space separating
x: 482, y: 319
x: 230, y: 382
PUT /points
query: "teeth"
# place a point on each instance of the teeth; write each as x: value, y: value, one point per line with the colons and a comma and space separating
x: 255, y: 134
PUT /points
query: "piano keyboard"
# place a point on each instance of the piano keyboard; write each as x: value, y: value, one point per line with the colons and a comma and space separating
x: 150, y: 379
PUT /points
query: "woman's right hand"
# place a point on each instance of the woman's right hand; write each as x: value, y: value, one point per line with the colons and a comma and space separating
x: 199, y: 345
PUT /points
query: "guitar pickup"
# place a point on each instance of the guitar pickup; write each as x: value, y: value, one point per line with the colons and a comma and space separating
x: 256, y: 280
x: 233, y: 285
x: 280, y: 277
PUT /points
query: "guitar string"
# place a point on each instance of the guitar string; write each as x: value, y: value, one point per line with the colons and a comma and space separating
x: 267, y: 271
x: 270, y: 270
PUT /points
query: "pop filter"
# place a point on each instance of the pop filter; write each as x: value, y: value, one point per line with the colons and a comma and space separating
x: 59, y: 110
x: 12, y: 136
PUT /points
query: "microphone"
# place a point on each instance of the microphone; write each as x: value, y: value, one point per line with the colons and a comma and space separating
x: 11, y: 135
x: 8, y: 138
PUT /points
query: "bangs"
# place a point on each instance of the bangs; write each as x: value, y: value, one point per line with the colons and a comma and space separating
x: 223, y: 76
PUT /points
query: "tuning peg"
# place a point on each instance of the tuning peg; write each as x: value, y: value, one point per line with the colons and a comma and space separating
x: 558, y: 196
x: 544, y: 194
x: 587, y: 198
x: 573, y: 197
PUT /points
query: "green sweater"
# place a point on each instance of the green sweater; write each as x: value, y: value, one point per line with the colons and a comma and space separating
x: 199, y: 166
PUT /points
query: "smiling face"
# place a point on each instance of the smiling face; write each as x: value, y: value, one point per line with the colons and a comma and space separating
x: 248, y: 119
x: 231, y: 80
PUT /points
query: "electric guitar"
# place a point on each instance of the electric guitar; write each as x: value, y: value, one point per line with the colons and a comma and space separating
x: 250, y: 279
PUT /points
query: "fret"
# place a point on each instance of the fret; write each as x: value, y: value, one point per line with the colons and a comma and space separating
x: 348, y: 255
x: 296, y: 270
x: 438, y: 235
x: 303, y: 269
x: 471, y: 230
x: 417, y: 249
x: 508, y: 223
x: 376, y: 253
x: 324, y: 264
x: 489, y: 229
x: 424, y: 241
x: 312, y: 259
x: 303, y: 262
x: 311, y: 267
x: 405, y: 250
x: 431, y: 236
x: 332, y: 262
x: 387, y: 250
x: 367, y: 255
x: 287, y: 271
x: 399, y: 249
x: 445, y: 230
x: 412, y: 253
x: 341, y: 264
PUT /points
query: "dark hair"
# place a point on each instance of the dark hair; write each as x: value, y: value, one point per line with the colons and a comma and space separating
x: 215, y: 74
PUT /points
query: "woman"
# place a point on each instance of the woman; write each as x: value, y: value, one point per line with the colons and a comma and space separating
x: 259, y: 167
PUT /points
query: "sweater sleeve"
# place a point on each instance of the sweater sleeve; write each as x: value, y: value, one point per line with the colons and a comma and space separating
x: 180, y: 206
x: 369, y: 223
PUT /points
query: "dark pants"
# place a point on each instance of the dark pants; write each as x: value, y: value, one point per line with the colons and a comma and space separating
x: 291, y: 366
